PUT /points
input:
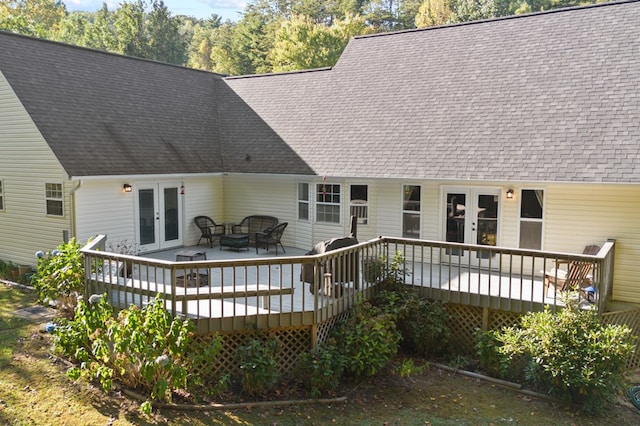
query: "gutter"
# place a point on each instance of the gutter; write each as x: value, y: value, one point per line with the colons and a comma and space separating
x: 72, y: 196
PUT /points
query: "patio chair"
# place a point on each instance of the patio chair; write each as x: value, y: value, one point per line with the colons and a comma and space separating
x: 208, y: 229
x: 577, y: 275
x: 271, y: 236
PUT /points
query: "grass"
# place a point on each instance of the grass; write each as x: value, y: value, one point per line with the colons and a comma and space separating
x: 34, y: 390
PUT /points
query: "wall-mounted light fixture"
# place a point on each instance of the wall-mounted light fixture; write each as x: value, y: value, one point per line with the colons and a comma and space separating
x: 127, y: 188
x: 510, y: 193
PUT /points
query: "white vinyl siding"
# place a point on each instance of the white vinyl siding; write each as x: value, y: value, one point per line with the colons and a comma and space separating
x: 27, y: 163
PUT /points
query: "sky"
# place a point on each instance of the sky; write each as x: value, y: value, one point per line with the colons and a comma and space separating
x: 227, y: 9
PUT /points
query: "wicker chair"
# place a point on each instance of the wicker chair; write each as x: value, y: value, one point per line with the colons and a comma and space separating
x: 209, y: 230
x: 271, y: 236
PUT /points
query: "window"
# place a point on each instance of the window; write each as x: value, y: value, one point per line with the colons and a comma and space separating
x: 359, y: 206
x: 303, y: 201
x: 1, y: 196
x: 531, y: 203
x: 53, y: 197
x: 328, y: 203
x: 411, y: 211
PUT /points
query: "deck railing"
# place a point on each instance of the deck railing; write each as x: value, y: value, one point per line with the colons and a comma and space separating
x: 228, y: 295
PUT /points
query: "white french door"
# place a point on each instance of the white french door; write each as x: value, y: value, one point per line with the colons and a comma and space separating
x: 158, y: 216
x: 472, y: 216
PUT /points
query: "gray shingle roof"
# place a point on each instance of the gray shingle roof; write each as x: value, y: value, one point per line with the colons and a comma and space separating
x: 105, y: 114
x: 544, y: 97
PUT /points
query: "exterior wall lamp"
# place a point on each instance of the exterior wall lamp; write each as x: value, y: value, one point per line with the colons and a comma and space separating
x: 510, y: 194
x: 127, y: 188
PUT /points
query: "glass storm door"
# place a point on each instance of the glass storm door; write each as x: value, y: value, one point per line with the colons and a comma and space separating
x: 158, y: 217
x: 472, y: 217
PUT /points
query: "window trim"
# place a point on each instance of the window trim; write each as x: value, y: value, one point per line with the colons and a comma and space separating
x: 318, y: 203
x: 48, y: 198
x: 2, y: 198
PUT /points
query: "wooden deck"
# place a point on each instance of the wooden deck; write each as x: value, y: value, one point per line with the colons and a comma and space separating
x: 241, y: 287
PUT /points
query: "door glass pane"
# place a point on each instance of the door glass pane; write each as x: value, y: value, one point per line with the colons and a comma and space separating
x: 456, y: 209
x: 147, y: 216
x: 487, y: 220
x: 170, y: 214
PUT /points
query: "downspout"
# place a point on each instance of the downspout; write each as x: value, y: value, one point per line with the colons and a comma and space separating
x: 72, y: 196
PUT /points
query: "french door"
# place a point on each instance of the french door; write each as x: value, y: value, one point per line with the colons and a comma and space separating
x: 472, y: 216
x: 158, y: 216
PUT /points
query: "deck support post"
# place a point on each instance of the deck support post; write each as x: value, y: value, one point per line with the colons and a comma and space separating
x: 485, y: 319
x: 314, y: 336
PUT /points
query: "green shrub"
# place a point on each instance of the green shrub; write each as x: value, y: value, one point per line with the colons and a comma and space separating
x: 368, y: 339
x: 201, y: 367
x: 259, y: 365
x: 6, y: 268
x: 145, y: 349
x: 321, y: 369
x: 422, y: 323
x: 572, y: 355
x: 60, y: 275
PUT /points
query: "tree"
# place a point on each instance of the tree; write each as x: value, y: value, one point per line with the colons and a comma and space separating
x: 303, y: 44
x: 163, y: 34
x: 37, y: 18
x: 473, y: 10
x: 101, y: 35
x: 74, y: 28
x: 432, y: 13
x: 130, y: 35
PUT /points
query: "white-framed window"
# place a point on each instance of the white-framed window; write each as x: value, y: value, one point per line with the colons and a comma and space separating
x: 303, y: 201
x: 53, y: 199
x: 411, y: 211
x: 328, y: 203
x: 359, y: 203
x: 1, y: 195
x: 531, y: 218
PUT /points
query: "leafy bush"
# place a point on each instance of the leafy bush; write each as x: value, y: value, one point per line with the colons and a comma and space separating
x: 422, y: 323
x: 145, y: 349
x: 322, y: 368
x: 368, y: 339
x: 201, y: 366
x: 259, y: 365
x: 6, y: 268
x: 572, y: 355
x: 391, y: 274
x: 60, y: 275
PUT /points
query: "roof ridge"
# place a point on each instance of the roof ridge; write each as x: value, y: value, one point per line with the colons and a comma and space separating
x: 272, y: 74
x: 105, y: 52
x: 499, y: 18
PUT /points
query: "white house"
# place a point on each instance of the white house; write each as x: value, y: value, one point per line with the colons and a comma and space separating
x: 517, y: 132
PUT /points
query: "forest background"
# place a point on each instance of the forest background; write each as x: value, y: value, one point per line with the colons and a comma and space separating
x: 270, y: 36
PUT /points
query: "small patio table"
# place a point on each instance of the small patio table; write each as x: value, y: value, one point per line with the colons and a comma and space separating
x: 193, y: 278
